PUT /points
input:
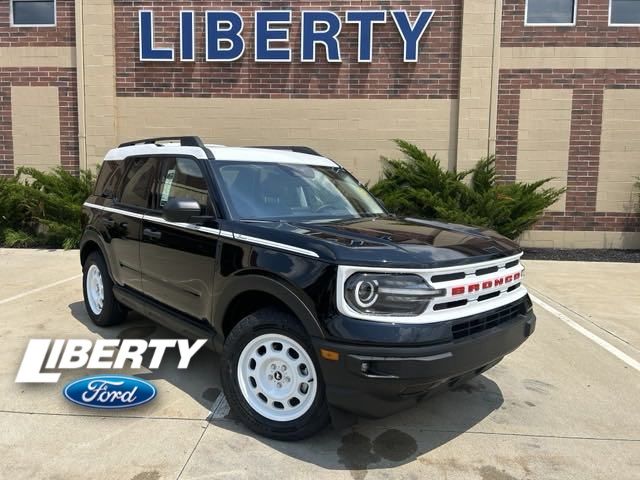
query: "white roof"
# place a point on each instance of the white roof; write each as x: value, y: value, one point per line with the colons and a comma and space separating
x: 220, y: 152
x: 243, y: 154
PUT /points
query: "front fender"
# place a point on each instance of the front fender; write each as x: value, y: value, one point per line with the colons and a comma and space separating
x: 239, y: 284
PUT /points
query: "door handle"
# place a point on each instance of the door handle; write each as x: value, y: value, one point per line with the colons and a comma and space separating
x: 154, y: 234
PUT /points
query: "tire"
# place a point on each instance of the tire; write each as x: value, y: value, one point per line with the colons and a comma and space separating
x: 96, y: 280
x: 301, y: 393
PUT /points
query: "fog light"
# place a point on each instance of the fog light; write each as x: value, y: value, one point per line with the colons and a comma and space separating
x: 364, y: 367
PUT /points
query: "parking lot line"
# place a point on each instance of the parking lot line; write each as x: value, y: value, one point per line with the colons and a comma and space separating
x: 590, y: 335
x: 39, y: 289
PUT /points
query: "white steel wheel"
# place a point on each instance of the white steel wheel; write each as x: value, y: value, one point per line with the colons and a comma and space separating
x: 277, y: 377
x: 95, y: 289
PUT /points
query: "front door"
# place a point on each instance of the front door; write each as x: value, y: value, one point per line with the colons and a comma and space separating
x: 178, y: 260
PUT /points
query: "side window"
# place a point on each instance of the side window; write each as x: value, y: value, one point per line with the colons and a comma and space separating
x: 137, y: 182
x: 624, y: 13
x: 550, y: 12
x: 33, y: 13
x: 109, y: 179
x: 181, y: 178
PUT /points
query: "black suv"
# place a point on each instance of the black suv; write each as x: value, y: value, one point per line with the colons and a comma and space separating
x: 319, y: 301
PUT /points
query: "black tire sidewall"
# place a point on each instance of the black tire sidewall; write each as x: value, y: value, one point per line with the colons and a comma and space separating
x: 260, y: 323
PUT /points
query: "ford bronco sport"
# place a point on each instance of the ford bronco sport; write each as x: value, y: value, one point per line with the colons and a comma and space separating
x: 319, y: 301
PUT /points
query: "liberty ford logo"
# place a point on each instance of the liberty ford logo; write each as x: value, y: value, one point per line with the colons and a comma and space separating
x: 110, y: 391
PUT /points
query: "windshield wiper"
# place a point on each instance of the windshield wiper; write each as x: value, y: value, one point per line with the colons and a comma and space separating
x: 258, y: 220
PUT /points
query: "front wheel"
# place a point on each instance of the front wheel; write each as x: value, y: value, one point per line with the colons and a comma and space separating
x: 271, y: 378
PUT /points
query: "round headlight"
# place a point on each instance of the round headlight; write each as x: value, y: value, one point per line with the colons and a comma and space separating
x: 366, y: 293
x: 389, y: 294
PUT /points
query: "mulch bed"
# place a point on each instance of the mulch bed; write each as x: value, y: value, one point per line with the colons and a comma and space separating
x: 583, y: 255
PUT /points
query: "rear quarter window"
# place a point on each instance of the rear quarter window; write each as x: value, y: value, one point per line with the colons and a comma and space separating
x: 136, y: 190
x: 109, y: 179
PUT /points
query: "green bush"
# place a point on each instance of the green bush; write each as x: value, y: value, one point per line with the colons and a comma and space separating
x: 42, y: 209
x: 418, y: 186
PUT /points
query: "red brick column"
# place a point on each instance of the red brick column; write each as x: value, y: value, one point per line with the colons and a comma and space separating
x: 584, y: 147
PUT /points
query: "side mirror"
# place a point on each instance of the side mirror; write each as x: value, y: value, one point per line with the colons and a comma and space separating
x: 180, y: 210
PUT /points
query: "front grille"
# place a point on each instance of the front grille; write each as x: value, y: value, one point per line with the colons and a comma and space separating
x: 487, y: 320
x: 478, y: 276
x: 448, y: 277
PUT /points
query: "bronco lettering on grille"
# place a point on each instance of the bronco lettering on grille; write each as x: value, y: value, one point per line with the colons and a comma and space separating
x: 485, y: 285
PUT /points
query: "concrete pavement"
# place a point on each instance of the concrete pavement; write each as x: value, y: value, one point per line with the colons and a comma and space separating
x: 561, y: 407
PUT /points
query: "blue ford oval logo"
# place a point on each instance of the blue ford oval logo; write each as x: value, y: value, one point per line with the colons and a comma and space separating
x: 110, y: 391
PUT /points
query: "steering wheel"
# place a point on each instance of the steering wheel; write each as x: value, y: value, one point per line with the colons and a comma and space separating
x: 326, y: 206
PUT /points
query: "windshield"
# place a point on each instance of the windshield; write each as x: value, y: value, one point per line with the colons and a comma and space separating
x: 268, y: 191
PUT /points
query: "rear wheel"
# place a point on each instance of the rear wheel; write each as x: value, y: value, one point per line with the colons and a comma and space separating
x: 271, y: 378
x: 101, y: 304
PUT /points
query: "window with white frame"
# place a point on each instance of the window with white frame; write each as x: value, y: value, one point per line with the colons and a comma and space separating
x: 624, y: 12
x: 33, y: 13
x: 550, y: 12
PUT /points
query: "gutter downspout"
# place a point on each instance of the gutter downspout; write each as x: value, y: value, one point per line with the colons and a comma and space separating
x: 495, y: 75
x: 80, y: 61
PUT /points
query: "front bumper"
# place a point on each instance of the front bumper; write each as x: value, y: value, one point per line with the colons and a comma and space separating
x: 376, y: 381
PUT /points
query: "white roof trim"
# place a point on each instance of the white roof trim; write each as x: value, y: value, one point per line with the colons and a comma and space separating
x: 236, y: 154
x: 266, y: 155
x: 154, y: 149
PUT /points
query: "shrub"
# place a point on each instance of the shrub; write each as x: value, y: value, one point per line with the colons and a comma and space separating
x: 43, y: 208
x: 418, y: 186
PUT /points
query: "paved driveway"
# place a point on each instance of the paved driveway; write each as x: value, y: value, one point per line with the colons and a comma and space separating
x: 565, y: 405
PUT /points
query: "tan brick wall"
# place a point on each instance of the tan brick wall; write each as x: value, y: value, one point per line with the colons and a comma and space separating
x: 477, y: 77
x: 564, y: 239
x: 353, y: 132
x: 543, y: 137
x: 569, y: 57
x: 99, y: 80
x: 16, y: 57
x: 619, y: 151
x: 36, y: 126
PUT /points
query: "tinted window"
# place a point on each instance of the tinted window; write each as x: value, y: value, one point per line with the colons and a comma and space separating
x: 109, y: 179
x: 181, y: 178
x: 137, y: 183
x: 625, y: 11
x: 550, y: 11
x: 34, y: 12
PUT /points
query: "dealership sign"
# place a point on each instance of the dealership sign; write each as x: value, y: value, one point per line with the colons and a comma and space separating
x: 44, y: 359
x: 110, y: 391
x: 320, y: 32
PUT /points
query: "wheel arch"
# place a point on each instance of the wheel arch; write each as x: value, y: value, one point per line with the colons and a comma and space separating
x: 91, y: 242
x: 246, y: 294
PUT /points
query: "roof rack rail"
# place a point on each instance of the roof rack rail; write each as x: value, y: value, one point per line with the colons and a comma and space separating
x: 291, y: 148
x: 185, y: 141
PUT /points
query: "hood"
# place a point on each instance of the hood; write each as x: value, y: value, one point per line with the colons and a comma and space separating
x: 390, y: 241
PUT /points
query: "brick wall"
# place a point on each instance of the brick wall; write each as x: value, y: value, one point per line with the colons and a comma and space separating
x: 63, y: 34
x: 436, y: 74
x: 62, y: 78
x: 592, y: 28
x: 588, y: 87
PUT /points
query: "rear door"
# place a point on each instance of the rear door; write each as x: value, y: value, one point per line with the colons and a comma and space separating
x: 178, y: 260
x: 124, y: 220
